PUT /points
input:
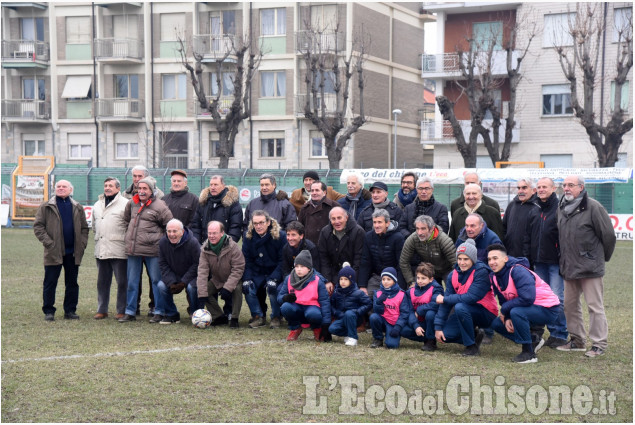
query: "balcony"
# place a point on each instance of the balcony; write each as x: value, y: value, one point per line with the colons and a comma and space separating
x: 25, y: 54
x: 440, y: 133
x: 330, y: 103
x: 119, y: 50
x: 446, y: 65
x: 27, y: 110
x: 121, y: 109
x: 325, y: 43
x: 214, y: 47
x: 224, y: 103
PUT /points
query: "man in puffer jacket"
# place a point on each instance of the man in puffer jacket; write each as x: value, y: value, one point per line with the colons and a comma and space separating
x: 349, y: 306
x: 218, y: 202
x: 476, y: 229
x: 276, y: 203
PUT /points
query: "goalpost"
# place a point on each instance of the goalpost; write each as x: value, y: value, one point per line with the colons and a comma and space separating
x: 537, y: 164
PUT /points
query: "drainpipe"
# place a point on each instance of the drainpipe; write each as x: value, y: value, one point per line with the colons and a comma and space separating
x: 92, y: 6
x: 251, y: 123
x: 603, y: 66
x: 154, y: 133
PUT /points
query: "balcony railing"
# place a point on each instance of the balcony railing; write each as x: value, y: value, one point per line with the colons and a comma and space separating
x: 118, y: 48
x: 447, y: 64
x: 433, y: 132
x: 326, y: 42
x: 25, y: 51
x: 224, y: 103
x: 330, y: 103
x: 213, y: 46
x: 119, y: 108
x: 25, y: 109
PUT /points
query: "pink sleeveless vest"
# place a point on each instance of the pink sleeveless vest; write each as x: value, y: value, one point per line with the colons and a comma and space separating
x: 544, y: 295
x: 391, y: 307
x: 421, y: 299
x: 488, y: 301
x: 307, y: 295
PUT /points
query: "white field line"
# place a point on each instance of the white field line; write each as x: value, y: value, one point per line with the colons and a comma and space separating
x: 136, y: 352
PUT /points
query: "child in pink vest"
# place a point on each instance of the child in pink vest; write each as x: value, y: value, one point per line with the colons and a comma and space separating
x: 525, y: 300
x: 424, y: 308
x: 390, y: 311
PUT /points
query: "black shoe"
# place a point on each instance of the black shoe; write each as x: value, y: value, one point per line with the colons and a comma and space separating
x: 526, y: 357
x: 553, y: 342
x: 220, y: 320
x: 233, y: 323
x: 151, y: 312
x: 487, y: 339
x: 49, y: 317
x: 472, y: 350
x: 376, y: 343
x: 71, y: 316
x: 156, y: 318
x: 479, y: 338
x: 429, y: 345
x: 127, y: 318
x: 170, y: 320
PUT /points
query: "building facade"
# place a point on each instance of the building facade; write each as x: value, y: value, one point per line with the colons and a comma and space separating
x: 546, y: 129
x: 103, y: 83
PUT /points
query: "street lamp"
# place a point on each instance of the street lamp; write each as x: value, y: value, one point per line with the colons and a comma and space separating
x: 395, y: 112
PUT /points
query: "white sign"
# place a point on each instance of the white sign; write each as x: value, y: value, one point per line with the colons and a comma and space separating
x: 623, y: 225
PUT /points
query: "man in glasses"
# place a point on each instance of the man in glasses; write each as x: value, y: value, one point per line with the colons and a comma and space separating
x: 424, y: 204
x: 516, y: 220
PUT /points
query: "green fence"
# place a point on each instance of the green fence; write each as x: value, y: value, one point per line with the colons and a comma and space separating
x: 617, y: 198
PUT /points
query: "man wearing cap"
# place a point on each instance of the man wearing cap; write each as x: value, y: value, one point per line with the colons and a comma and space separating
x: 314, y: 215
x: 181, y: 202
x: 276, y: 203
x: 140, y: 172
x: 218, y: 202
x: 301, y: 196
x: 379, y: 197
x: 407, y: 194
x: 147, y: 217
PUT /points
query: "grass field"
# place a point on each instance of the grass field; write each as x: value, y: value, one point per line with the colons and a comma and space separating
x: 104, y: 371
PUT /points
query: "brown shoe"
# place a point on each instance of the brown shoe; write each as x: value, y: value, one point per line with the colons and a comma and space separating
x: 119, y: 316
x: 100, y: 316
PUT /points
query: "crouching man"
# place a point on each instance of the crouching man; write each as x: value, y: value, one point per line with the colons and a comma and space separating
x: 304, y: 299
x: 525, y: 300
x: 220, y: 269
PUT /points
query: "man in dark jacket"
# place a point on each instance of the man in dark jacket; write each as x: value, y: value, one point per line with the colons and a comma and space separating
x: 476, y: 228
x: 179, y: 253
x: 296, y: 243
x: 218, y: 203
x: 275, y: 203
x: 60, y: 225
x: 587, y: 241
x: 379, y: 197
x: 314, y: 215
x: 181, y: 202
x: 407, y: 194
x: 382, y: 248
x: 516, y: 220
x: 357, y: 197
x: 474, y: 203
x: 472, y: 178
x: 424, y: 204
x: 340, y: 241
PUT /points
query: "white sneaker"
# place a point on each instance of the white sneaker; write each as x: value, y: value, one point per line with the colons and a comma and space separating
x: 351, y: 342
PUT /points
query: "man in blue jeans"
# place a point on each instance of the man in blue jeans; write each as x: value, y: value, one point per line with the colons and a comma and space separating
x: 179, y: 252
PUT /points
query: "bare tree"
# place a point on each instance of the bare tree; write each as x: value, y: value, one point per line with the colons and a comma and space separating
x: 328, y: 85
x: 587, y: 31
x: 483, y: 71
x: 226, y: 118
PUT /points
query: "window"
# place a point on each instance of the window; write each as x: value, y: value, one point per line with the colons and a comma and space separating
x: 227, y: 84
x: 126, y: 145
x: 273, y: 84
x: 324, y: 17
x: 557, y: 160
x: 484, y: 33
x: 329, y: 81
x: 174, y: 148
x: 622, y: 160
x: 214, y: 146
x: 174, y: 86
x: 77, y: 29
x: 496, y: 94
x: 77, y: 87
x: 223, y: 23
x: 273, y: 21
x: 556, y: 100
x: 125, y: 26
x: 127, y: 86
x: 272, y: 144
x: 484, y: 161
x: 172, y: 24
x: 318, y: 148
x: 556, y: 30
x: 33, y: 146
x: 625, y: 92
x: 622, y: 21
x: 33, y: 89
x: 79, y: 146
x: 32, y: 29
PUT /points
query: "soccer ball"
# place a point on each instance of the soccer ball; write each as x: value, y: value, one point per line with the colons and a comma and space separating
x: 201, y: 318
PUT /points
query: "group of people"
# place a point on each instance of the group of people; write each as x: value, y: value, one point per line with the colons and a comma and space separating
x: 343, y: 263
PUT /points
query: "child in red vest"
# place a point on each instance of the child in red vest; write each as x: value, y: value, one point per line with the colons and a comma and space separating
x: 349, y: 306
x: 422, y: 298
x: 391, y: 309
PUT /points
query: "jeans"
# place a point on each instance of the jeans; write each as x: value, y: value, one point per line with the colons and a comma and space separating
x: 427, y: 324
x: 134, y: 273
x: 167, y: 298
x: 522, y: 318
x: 71, y: 292
x: 254, y: 300
x: 460, y: 325
x: 347, y: 325
x: 550, y: 273
x: 380, y: 326
x: 297, y: 314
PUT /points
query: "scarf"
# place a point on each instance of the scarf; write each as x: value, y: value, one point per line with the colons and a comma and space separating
x: 216, y: 248
x: 297, y: 282
x: 267, y: 198
x: 470, y: 210
x: 568, y: 207
x: 109, y: 199
x: 420, y: 206
x: 354, y: 200
x: 406, y: 199
x: 218, y: 198
x: 382, y: 204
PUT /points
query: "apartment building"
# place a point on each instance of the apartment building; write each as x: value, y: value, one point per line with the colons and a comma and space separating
x: 546, y: 129
x: 102, y: 83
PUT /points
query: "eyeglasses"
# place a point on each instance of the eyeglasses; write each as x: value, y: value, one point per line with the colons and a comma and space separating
x: 259, y: 223
x: 571, y: 185
x: 424, y: 189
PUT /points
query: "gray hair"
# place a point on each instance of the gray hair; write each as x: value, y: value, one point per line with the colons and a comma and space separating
x: 472, y: 186
x: 424, y: 180
x: 425, y: 219
x: 115, y: 179
x: 470, y: 174
x: 359, y: 176
x: 69, y: 184
x: 141, y: 168
x: 177, y: 221
x: 219, y: 177
x: 580, y: 179
x: 261, y: 213
x: 269, y: 176
x: 477, y: 215
x: 221, y: 226
x: 530, y: 182
x: 380, y: 212
x: 336, y: 209
x: 548, y: 178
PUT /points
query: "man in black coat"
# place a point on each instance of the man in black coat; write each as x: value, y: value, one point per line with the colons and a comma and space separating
x: 472, y: 178
x: 218, y: 203
x: 379, y: 199
x: 424, y: 204
x: 181, y: 202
